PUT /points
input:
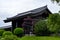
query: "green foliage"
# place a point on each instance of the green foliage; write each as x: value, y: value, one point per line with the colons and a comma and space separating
x: 1, y: 32
x: 9, y: 37
x: 0, y: 37
x: 53, y: 22
x: 41, y: 28
x: 18, y: 31
x: 7, y: 33
x: 56, y: 1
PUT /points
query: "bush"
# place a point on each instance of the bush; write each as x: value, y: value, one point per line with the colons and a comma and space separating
x: 9, y: 37
x: 53, y: 23
x: 7, y: 33
x: 41, y: 28
x: 18, y: 31
x: 1, y: 32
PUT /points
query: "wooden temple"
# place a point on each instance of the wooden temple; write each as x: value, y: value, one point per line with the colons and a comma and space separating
x: 35, y: 15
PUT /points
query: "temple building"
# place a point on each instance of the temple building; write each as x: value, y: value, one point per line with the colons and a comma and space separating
x: 34, y: 15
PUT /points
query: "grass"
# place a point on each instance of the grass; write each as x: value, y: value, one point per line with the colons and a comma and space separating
x: 40, y: 38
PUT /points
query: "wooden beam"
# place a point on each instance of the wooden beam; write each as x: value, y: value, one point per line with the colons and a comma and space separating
x: 13, y: 25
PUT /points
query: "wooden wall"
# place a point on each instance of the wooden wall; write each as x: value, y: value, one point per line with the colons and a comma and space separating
x: 36, y: 17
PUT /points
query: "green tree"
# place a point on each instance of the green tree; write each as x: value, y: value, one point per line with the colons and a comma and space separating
x: 56, y: 1
x: 41, y: 28
x: 53, y: 22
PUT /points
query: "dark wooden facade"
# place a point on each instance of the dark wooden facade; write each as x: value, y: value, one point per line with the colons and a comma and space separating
x: 36, y: 14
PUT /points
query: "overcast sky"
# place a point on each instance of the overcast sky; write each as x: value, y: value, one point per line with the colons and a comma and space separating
x: 9, y: 8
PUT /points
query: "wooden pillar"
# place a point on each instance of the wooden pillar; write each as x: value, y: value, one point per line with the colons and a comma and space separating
x: 19, y: 23
x: 13, y: 25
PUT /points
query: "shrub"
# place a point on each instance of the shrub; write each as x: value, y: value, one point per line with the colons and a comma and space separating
x: 7, y: 33
x: 0, y: 37
x: 1, y: 32
x: 9, y: 37
x: 18, y: 31
x: 41, y: 28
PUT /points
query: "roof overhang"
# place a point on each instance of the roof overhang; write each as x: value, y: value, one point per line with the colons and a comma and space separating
x: 26, y: 13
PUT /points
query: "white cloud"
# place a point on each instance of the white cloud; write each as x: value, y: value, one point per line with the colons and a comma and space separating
x: 10, y: 8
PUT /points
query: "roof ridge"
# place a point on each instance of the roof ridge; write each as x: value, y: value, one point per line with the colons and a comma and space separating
x: 31, y: 10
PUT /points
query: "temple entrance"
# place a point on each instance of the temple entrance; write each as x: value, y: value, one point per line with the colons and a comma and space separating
x: 28, y: 25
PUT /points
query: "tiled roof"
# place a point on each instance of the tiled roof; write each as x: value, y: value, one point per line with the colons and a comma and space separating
x: 37, y: 10
x: 31, y: 11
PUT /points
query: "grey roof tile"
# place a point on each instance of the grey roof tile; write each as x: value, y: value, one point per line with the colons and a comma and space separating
x: 28, y: 12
